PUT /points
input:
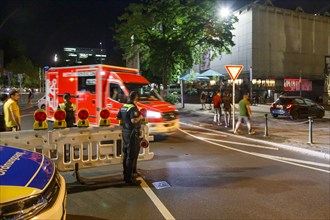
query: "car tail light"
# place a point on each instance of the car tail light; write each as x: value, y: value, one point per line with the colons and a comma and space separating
x: 273, y: 105
x: 289, y: 106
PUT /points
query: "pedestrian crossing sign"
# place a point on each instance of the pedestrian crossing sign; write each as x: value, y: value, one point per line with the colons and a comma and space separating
x: 234, y: 71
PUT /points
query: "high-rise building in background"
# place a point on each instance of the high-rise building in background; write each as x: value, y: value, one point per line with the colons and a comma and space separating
x: 81, y: 56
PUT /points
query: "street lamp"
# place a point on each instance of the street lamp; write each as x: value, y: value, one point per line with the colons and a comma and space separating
x: 224, y: 12
x: 55, y: 59
x: 101, y: 52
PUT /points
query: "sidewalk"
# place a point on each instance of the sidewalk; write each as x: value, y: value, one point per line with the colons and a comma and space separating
x: 282, y: 132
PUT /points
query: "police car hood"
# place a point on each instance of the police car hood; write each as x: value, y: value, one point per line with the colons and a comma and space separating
x: 23, y: 173
x: 158, y: 106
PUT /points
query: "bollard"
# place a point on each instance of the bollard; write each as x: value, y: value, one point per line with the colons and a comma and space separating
x: 310, y: 130
x: 266, y: 125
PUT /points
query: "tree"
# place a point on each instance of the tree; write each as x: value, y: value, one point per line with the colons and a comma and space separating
x: 172, y: 35
x: 30, y: 73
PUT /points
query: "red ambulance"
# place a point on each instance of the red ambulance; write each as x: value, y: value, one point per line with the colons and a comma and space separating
x: 95, y: 87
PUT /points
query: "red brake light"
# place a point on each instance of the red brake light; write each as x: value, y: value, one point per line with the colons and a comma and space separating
x: 83, y: 114
x: 104, y: 113
x: 40, y: 116
x: 59, y: 115
x: 273, y: 105
x: 289, y: 106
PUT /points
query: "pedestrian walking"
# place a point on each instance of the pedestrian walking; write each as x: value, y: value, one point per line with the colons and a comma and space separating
x: 203, y: 99
x: 130, y: 119
x: 226, y: 100
x: 30, y: 96
x: 244, y: 114
x: 3, y: 99
x: 69, y: 109
x: 12, y: 112
x: 217, y: 108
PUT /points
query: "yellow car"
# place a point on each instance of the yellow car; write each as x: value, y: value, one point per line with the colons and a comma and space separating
x: 30, y: 186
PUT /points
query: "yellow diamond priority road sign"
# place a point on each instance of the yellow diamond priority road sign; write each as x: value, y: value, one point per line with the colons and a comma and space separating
x: 234, y: 70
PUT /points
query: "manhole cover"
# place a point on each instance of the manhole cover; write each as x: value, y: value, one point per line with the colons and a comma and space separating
x: 161, y: 185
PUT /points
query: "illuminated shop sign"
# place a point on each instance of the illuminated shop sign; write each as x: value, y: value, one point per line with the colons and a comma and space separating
x: 294, y: 85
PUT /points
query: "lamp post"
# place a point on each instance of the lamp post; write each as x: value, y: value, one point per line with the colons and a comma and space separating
x: 101, y: 52
x: 55, y: 59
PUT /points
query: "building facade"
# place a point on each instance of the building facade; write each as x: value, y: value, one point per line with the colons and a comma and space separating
x: 79, y: 56
x: 284, y: 51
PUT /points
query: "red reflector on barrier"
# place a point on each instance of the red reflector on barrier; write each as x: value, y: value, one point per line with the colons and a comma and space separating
x: 83, y: 114
x: 144, y: 143
x: 59, y: 115
x: 40, y: 116
x: 104, y: 113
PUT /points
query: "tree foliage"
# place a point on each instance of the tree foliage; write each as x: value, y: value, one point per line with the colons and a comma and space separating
x: 16, y: 61
x: 172, y: 35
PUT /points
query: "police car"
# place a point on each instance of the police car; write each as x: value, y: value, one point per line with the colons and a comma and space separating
x: 30, y: 186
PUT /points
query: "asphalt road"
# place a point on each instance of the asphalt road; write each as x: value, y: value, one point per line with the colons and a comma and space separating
x: 210, y: 176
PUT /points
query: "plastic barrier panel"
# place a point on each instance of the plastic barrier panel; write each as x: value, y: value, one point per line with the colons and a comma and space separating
x: 88, y: 147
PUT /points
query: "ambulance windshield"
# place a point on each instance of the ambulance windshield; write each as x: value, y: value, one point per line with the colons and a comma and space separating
x: 146, y: 93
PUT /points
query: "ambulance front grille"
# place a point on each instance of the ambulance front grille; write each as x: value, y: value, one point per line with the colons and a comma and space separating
x: 169, y: 116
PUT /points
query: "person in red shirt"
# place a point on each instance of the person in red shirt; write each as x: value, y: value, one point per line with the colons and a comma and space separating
x: 217, y: 108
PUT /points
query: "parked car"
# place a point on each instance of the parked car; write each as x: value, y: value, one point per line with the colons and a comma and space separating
x: 296, y: 107
x: 30, y: 186
x: 42, y: 103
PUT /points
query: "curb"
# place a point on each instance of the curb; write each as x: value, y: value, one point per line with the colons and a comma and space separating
x: 322, y: 155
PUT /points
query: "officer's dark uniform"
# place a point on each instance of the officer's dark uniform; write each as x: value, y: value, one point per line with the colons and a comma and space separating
x: 69, y: 109
x: 131, y: 138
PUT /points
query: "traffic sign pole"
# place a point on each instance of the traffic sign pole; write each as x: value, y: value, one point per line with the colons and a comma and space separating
x: 234, y: 71
x: 233, y: 117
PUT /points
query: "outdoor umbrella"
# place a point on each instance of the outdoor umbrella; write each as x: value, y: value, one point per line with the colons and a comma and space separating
x: 211, y: 73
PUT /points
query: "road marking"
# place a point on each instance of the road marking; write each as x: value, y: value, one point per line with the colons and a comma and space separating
x: 244, y: 144
x: 160, y: 206
x: 255, y: 154
x: 212, y: 134
x: 296, y: 160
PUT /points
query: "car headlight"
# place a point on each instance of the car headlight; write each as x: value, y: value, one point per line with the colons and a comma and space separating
x: 153, y: 114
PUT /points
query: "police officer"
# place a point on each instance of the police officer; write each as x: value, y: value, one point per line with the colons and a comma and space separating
x: 130, y: 118
x: 69, y: 109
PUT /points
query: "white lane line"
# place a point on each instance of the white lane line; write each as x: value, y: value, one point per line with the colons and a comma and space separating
x: 211, y: 134
x: 255, y: 154
x: 160, y: 206
x: 296, y: 160
x: 237, y: 143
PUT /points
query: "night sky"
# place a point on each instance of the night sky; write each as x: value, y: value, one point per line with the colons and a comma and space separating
x: 46, y: 26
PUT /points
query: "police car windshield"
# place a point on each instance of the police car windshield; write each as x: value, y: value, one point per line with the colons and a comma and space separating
x: 146, y: 93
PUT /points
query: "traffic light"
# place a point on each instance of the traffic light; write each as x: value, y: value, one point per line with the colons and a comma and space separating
x: 83, y: 118
x: 104, y: 117
x: 40, y: 122
x: 59, y: 117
